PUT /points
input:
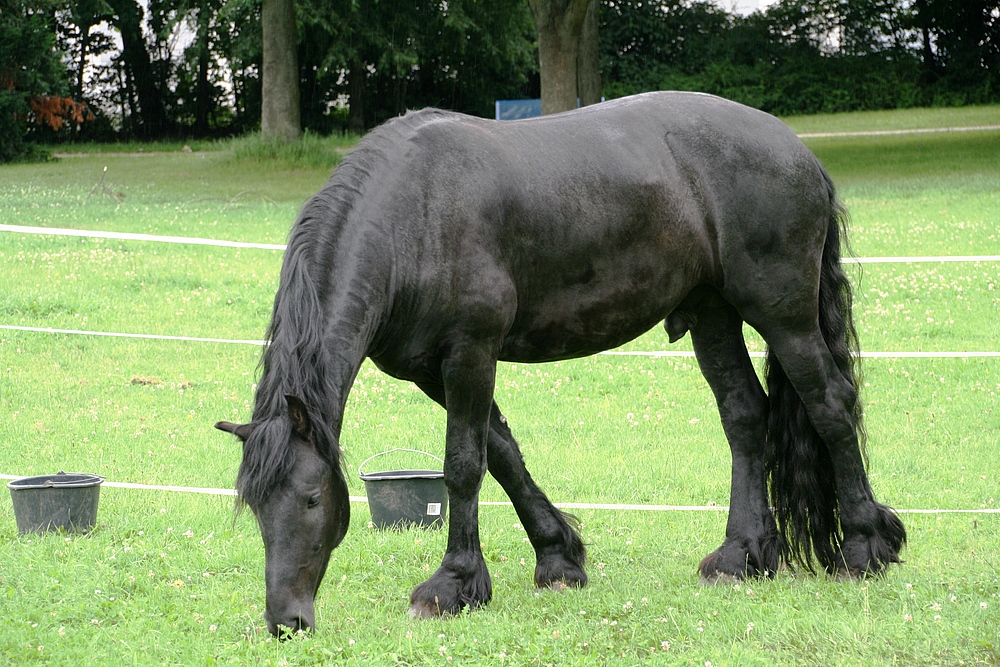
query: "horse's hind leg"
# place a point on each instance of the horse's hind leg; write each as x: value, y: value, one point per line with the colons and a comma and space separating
x: 870, y: 534
x: 752, y: 546
x: 559, y: 552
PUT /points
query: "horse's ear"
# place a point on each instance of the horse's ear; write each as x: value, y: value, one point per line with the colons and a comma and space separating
x: 299, y: 415
x: 241, y: 431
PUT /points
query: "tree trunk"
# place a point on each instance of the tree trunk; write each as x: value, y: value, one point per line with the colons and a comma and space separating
x: 588, y: 73
x: 203, y: 90
x: 203, y: 96
x: 152, y: 115
x: 280, y: 107
x: 84, y: 42
x: 356, y: 89
x: 559, y: 25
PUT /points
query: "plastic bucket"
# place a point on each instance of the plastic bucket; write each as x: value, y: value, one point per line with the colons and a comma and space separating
x: 65, y: 501
x: 403, y: 498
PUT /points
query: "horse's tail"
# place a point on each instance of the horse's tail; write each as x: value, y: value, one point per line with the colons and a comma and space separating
x: 803, y: 489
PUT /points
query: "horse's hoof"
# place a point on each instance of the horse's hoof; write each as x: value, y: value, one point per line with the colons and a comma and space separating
x: 557, y: 573
x: 719, y: 579
x: 843, y: 574
x: 558, y: 586
x: 423, y: 610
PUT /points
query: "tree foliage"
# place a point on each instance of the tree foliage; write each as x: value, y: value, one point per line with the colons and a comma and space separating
x: 194, y: 68
x: 389, y: 55
x: 806, y: 56
x: 29, y: 66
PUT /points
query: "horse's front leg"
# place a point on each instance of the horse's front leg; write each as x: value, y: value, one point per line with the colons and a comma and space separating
x: 462, y: 580
x: 559, y: 553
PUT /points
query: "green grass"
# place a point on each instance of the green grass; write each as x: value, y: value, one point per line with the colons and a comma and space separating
x: 309, y: 152
x: 170, y: 578
x: 144, y: 147
x: 901, y: 119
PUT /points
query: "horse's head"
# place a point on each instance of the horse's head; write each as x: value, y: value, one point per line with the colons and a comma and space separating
x: 295, y: 487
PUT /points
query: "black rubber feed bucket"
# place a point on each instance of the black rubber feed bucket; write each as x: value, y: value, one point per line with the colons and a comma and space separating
x: 67, y: 501
x: 402, y: 498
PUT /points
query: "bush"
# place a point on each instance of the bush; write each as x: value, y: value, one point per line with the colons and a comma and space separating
x: 800, y: 56
x: 310, y: 151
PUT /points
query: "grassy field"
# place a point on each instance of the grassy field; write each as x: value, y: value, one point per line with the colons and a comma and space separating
x: 175, y: 579
x: 900, y: 119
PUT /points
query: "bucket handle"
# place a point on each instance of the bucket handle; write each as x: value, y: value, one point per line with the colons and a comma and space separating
x: 397, y: 449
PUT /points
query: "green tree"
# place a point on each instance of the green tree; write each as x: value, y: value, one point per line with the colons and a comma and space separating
x: 662, y: 45
x: 384, y: 57
x: 145, y: 78
x: 960, y: 48
x: 29, y: 66
x: 807, y: 56
x: 238, y: 39
x: 78, y: 40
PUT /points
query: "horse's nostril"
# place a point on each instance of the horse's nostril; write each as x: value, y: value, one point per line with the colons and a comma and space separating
x: 293, y: 627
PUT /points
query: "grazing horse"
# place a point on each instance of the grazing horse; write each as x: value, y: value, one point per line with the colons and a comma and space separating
x: 444, y: 243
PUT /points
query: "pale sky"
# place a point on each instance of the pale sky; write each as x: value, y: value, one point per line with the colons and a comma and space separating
x: 744, y: 7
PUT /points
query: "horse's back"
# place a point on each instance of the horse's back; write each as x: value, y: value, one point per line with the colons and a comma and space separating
x: 582, y: 230
x: 684, y: 163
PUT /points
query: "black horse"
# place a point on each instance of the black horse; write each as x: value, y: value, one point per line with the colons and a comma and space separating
x: 445, y: 243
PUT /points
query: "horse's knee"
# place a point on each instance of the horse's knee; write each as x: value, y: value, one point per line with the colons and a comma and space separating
x: 464, y: 471
x: 745, y: 410
x: 504, y: 459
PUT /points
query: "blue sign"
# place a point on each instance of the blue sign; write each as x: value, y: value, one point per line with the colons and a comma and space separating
x: 515, y: 109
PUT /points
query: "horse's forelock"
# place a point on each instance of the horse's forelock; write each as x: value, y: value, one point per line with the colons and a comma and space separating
x: 268, y: 456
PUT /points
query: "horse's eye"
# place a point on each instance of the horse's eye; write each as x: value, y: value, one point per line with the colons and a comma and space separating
x: 313, y: 501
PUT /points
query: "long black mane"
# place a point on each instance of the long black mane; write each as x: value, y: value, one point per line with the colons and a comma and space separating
x: 295, y: 360
x: 293, y: 363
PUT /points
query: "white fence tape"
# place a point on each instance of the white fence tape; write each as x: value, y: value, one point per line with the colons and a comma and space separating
x: 616, y: 507
x: 124, y: 236
x: 142, y: 336
x: 920, y: 130
x: 618, y: 353
x: 923, y: 259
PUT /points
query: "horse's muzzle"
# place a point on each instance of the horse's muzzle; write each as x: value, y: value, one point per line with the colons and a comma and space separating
x: 286, y: 625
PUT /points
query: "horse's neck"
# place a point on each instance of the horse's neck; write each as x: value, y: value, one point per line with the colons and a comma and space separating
x: 347, y: 335
x: 345, y: 271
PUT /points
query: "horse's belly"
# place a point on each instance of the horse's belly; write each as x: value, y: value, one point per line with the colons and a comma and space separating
x: 568, y: 329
